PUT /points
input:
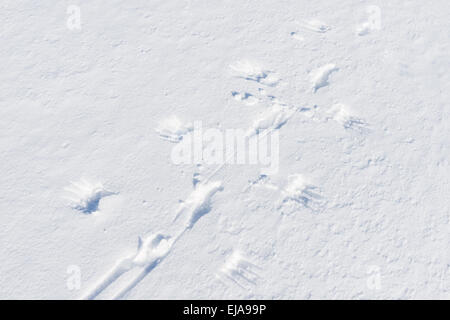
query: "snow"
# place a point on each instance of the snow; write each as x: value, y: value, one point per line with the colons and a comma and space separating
x: 85, y: 196
x: 172, y: 129
x: 319, y: 77
x: 95, y: 96
x: 239, y: 271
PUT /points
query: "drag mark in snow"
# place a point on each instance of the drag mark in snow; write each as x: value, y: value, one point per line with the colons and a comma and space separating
x: 149, y: 253
x: 239, y: 271
x: 153, y: 249
x: 319, y: 77
x: 85, y: 196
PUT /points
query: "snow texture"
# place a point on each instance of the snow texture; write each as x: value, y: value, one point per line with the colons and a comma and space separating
x: 95, y: 95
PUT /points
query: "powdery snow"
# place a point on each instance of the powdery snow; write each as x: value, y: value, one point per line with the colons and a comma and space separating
x: 96, y: 96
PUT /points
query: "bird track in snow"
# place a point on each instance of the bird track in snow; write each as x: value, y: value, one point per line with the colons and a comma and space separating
x: 300, y: 190
x: 344, y: 115
x: 153, y: 249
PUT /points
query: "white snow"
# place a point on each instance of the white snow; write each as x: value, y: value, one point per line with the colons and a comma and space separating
x: 96, y: 95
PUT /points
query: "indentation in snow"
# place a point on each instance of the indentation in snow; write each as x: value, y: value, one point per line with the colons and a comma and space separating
x: 153, y: 249
x: 315, y: 26
x: 85, y: 196
x: 239, y: 270
x: 262, y: 181
x: 363, y: 29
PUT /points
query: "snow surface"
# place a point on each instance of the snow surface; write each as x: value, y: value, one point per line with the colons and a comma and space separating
x: 92, y: 205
